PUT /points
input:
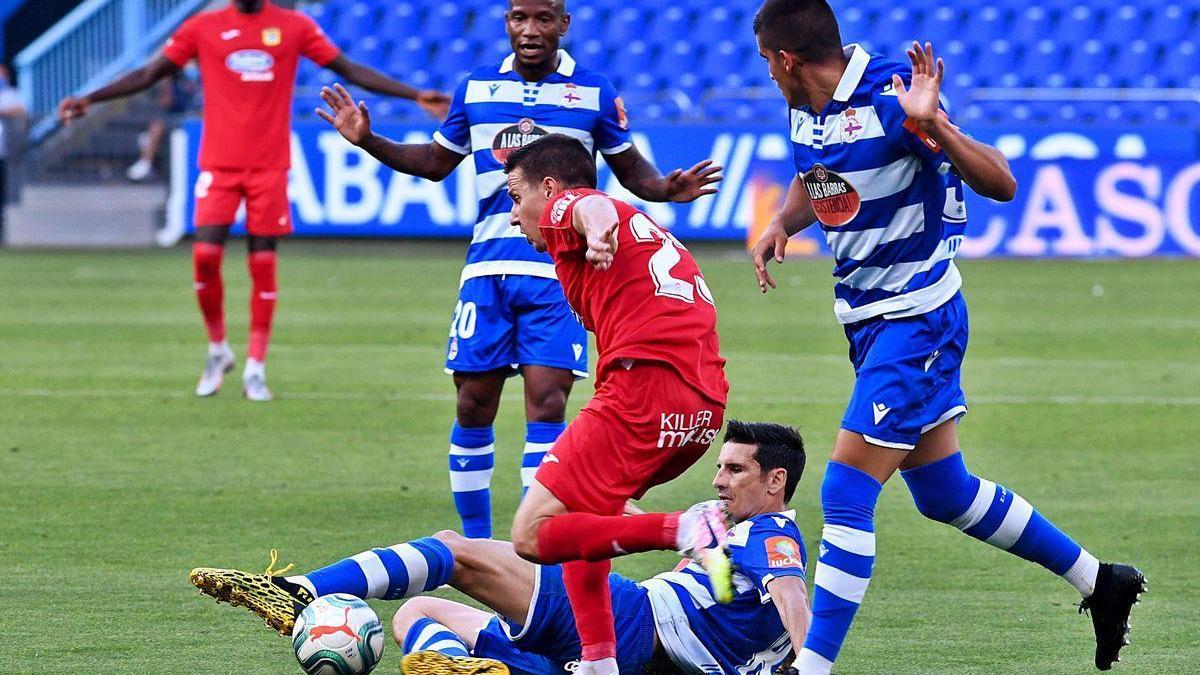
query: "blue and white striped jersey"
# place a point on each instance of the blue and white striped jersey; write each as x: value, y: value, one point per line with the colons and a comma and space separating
x: 887, y: 198
x: 745, y: 636
x: 495, y: 111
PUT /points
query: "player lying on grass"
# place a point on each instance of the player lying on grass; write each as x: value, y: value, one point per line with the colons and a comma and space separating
x: 669, y: 619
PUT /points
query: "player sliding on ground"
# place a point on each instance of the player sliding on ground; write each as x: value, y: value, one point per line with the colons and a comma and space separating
x: 248, y: 54
x: 665, y: 623
x: 881, y: 168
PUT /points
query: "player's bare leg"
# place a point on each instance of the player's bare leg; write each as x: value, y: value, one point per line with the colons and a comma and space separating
x: 472, y: 448
x: 261, y: 261
x: 437, y: 637
x: 207, y: 253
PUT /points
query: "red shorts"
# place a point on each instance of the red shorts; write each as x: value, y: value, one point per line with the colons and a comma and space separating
x: 220, y: 192
x: 644, y: 427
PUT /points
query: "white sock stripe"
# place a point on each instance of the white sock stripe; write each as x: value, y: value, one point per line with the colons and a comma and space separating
x: 376, y: 574
x: 489, y: 449
x: 414, y: 562
x: 812, y: 663
x: 1082, y: 574
x: 443, y: 644
x: 470, y: 481
x: 426, y: 635
x: 1019, y: 513
x: 538, y: 447
x: 858, y: 542
x: 527, y: 474
x: 846, y: 586
x: 979, y: 507
x: 303, y: 581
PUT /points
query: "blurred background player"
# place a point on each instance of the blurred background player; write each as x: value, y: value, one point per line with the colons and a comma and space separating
x: 174, y: 98
x: 12, y: 125
x: 881, y: 168
x: 660, y: 389
x: 511, y: 311
x: 659, y: 622
x: 248, y: 54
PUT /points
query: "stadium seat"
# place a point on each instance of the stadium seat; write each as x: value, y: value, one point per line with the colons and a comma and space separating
x: 1123, y: 23
x: 1032, y: 24
x: 1171, y: 23
x: 355, y: 22
x: 445, y: 22
x: 673, y: 23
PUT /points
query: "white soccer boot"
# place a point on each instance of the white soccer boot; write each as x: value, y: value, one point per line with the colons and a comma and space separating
x: 220, y: 361
x: 254, y: 382
x: 139, y: 171
x: 703, y: 536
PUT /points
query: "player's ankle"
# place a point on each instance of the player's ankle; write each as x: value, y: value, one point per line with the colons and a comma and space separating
x: 604, y: 666
x: 254, y: 367
x: 219, y: 348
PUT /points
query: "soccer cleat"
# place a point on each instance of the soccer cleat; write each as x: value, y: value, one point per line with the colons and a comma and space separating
x: 255, y: 387
x: 268, y: 595
x: 139, y: 170
x: 704, y: 537
x: 215, y: 367
x: 1117, y: 589
x: 435, y: 663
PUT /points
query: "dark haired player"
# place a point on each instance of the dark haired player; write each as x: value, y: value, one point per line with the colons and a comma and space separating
x: 248, y: 53
x: 881, y: 168
x: 511, y: 315
x: 664, y: 624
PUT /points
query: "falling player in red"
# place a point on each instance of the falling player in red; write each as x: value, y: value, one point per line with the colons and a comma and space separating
x: 660, y: 389
x: 248, y: 53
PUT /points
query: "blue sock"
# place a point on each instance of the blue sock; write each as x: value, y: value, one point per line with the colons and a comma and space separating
x: 429, y: 635
x: 472, y: 460
x: 539, y: 438
x: 946, y: 492
x: 389, y: 573
x: 847, y: 556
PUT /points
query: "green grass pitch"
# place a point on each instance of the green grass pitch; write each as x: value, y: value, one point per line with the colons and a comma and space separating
x: 114, y: 480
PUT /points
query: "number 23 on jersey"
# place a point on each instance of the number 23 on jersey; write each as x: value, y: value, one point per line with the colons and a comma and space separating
x: 664, y: 261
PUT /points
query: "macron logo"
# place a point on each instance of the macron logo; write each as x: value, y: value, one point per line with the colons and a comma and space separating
x: 578, y: 349
x: 228, y: 35
x: 932, y: 357
x: 880, y: 411
x: 464, y: 462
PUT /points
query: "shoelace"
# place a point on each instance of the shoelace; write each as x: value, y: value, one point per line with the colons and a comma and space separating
x: 271, y: 572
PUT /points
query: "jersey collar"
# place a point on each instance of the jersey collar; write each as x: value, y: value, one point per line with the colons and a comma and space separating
x: 859, y: 58
x: 566, y: 64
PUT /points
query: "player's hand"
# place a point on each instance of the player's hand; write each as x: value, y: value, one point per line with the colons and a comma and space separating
x: 351, y: 120
x: 434, y: 103
x: 920, y: 100
x: 690, y: 185
x: 602, y: 245
x: 71, y: 107
x: 772, y: 244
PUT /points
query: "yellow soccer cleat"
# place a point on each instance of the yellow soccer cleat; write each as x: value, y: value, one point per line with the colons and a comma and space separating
x: 434, y: 663
x: 704, y: 537
x: 268, y: 595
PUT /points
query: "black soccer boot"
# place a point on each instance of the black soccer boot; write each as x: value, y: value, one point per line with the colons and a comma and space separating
x: 1117, y: 589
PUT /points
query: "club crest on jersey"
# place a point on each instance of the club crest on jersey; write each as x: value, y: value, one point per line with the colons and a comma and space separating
x: 254, y: 65
x: 852, y: 127
x: 512, y: 137
x: 271, y: 37
x: 571, y: 97
x: 783, y: 552
x: 834, y: 199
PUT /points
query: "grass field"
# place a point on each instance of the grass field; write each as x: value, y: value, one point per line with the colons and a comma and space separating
x: 115, y: 480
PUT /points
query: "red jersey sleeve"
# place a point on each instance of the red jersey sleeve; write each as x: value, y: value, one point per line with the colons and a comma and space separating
x: 316, y: 45
x: 183, y: 46
x: 557, y: 226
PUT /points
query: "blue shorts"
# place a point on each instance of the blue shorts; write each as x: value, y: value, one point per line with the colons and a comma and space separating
x: 907, y: 374
x: 549, y: 641
x: 509, y: 321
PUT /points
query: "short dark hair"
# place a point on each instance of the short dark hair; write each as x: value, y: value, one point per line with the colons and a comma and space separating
x: 806, y: 28
x: 776, y: 447
x: 558, y: 156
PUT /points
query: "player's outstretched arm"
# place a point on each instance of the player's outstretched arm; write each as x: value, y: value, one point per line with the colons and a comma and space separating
x: 434, y: 103
x: 353, y: 122
x: 641, y: 178
x: 795, y: 215
x: 791, y: 601
x: 131, y: 83
x: 983, y: 167
x: 596, y: 219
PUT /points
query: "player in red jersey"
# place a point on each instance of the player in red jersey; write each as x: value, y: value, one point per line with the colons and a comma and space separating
x: 248, y: 54
x: 660, y: 389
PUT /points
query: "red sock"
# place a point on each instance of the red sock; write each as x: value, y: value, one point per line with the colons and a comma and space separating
x: 210, y: 291
x: 586, y: 536
x: 262, y: 303
x: 591, y: 602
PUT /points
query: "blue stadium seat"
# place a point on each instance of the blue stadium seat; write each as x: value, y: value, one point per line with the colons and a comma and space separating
x: 986, y: 24
x: 673, y: 23
x: 1181, y: 66
x: 1044, y: 64
x: 1123, y: 23
x: 355, y: 22
x: 445, y: 22
x: 488, y: 22
x: 625, y: 25
x: 1171, y: 23
x: 717, y: 24
x: 1032, y: 24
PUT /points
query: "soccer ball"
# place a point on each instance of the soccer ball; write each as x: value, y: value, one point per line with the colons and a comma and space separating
x: 338, y: 635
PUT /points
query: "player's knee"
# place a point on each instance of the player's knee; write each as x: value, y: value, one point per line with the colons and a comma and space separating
x: 408, y: 613
x: 459, y: 545
x: 476, y: 407
x: 943, y: 490
x: 546, y: 405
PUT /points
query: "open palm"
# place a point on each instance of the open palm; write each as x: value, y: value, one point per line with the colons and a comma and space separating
x: 920, y: 99
x: 351, y: 120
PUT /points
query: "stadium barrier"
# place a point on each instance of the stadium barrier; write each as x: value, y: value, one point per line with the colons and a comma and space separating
x: 1093, y: 193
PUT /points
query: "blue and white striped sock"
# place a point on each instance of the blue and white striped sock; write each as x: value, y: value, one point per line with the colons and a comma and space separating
x: 947, y: 492
x: 539, y: 438
x: 472, y: 461
x: 427, y: 635
x: 391, y: 573
x: 847, y: 556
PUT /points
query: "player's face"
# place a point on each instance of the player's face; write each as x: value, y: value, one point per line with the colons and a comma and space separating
x: 534, y: 29
x: 741, y: 483
x: 529, y: 201
x: 248, y: 6
x: 783, y: 69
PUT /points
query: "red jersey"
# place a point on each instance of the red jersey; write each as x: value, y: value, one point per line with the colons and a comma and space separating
x: 651, y: 304
x: 248, y: 68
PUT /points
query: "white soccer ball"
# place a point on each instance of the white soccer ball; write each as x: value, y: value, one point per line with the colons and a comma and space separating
x: 338, y: 635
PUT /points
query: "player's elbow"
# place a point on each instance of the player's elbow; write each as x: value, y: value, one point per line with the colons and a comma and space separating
x: 1006, y: 189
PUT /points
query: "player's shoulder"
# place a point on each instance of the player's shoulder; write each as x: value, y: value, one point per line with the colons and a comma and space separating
x: 766, y: 525
x: 877, y: 79
x: 586, y: 77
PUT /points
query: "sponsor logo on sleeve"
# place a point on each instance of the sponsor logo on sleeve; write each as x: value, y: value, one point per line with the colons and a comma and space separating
x: 834, y: 199
x: 783, y: 552
x: 560, y: 208
x: 622, y: 116
x: 253, y: 65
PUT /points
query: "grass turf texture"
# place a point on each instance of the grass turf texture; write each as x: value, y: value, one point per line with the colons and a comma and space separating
x: 1084, y: 377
